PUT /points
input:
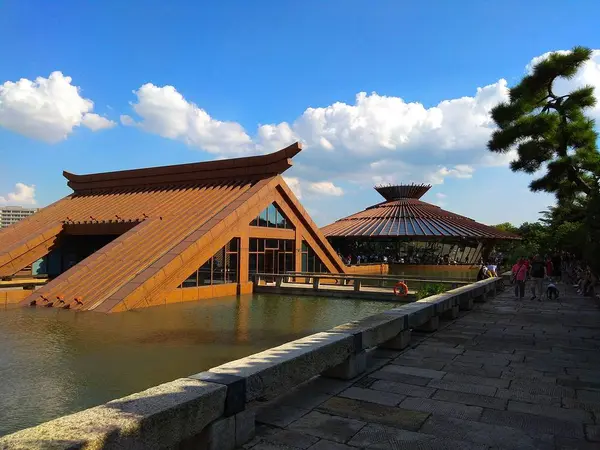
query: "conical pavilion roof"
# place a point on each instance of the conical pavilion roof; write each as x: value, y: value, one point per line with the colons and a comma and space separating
x: 403, y: 214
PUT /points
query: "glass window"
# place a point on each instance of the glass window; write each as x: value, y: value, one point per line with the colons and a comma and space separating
x: 191, y: 281
x: 272, y: 244
x: 262, y: 218
x: 223, y: 267
x: 272, y: 217
x: 204, y: 273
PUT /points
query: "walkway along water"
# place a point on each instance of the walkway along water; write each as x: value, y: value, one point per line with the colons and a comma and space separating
x: 509, y: 374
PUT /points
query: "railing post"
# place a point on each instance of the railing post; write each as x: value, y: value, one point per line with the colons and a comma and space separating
x: 316, y: 282
x: 278, y: 280
x: 357, y: 284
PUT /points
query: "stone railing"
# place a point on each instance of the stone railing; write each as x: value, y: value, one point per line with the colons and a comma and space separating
x: 210, y: 410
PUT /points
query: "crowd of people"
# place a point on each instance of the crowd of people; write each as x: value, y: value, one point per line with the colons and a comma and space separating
x: 544, y: 274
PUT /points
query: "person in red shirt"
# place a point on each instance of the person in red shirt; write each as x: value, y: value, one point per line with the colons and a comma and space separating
x: 519, y: 271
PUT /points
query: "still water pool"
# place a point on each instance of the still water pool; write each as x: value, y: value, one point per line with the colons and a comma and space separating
x: 55, y: 362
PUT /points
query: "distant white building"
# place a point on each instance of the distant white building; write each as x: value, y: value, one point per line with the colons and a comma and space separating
x: 12, y: 214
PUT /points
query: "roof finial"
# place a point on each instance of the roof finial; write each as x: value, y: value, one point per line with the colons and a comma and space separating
x: 396, y: 192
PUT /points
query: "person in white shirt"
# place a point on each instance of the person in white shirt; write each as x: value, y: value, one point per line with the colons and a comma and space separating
x: 552, y: 291
x: 492, y: 269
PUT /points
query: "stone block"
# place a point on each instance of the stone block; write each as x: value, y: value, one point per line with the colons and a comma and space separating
x: 235, y: 399
x: 452, y: 313
x: 372, y: 412
x: 398, y: 342
x: 245, y: 427
x: 440, y: 302
x: 373, y: 396
x: 351, y: 367
x: 431, y: 325
x: 481, y: 298
x: 418, y: 313
x: 374, y: 329
x: 219, y: 435
x: 279, y: 369
x: 161, y: 417
x: 443, y: 408
x: 337, y: 429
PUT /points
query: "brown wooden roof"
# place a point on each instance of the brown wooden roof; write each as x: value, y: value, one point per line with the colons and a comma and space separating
x: 248, y: 168
x: 165, y: 212
x: 405, y: 215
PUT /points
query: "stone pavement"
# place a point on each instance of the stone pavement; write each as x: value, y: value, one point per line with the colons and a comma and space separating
x: 506, y: 375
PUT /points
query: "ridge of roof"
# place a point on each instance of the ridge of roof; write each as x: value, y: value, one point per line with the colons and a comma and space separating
x: 249, y: 168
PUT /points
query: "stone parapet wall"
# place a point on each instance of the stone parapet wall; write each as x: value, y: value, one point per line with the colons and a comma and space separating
x: 210, y: 410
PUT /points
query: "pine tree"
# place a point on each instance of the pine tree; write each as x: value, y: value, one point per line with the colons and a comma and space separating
x: 549, y: 130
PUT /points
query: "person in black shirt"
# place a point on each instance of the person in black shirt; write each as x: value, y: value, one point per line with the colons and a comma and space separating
x: 537, y: 273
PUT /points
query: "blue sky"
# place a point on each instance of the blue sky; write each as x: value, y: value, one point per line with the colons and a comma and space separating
x: 250, y: 77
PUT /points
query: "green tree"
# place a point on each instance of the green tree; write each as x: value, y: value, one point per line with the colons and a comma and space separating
x: 550, y: 130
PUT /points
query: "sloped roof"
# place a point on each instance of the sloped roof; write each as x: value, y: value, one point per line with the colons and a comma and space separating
x: 167, y: 213
x: 403, y: 214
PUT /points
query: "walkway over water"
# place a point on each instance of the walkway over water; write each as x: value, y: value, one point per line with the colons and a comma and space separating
x: 508, y: 374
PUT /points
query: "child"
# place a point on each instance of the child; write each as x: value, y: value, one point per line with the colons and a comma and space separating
x: 552, y: 291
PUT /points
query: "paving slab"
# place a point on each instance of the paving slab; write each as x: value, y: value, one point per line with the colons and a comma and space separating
x: 425, y: 373
x: 470, y: 399
x: 373, y: 396
x: 371, y: 412
x: 483, y: 433
x: 403, y: 388
x: 533, y: 424
x: 279, y: 415
x: 468, y: 388
x: 442, y: 407
x: 292, y: 438
x: 326, y: 426
x: 508, y: 374
x: 571, y: 415
x: 324, y: 444
x: 379, y: 437
x: 523, y: 396
x: 389, y: 373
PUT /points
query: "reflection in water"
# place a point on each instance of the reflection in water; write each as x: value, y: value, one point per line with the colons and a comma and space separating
x: 54, y: 362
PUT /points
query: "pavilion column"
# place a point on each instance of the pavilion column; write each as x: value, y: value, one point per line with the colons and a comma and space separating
x: 244, y: 257
x: 298, y: 251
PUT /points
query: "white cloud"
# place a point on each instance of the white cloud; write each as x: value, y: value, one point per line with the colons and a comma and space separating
x: 127, y: 120
x: 440, y: 195
x: 23, y: 195
x: 376, y: 139
x: 165, y: 112
x: 325, y: 188
x: 95, y: 122
x: 47, y: 109
x: 294, y: 185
